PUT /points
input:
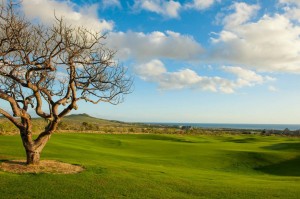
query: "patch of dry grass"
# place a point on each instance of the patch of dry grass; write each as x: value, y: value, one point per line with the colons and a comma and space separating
x: 45, y: 166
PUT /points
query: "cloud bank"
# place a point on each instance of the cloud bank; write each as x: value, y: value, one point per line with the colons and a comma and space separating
x: 155, y: 71
x: 154, y: 45
x: 166, y: 8
x: 200, y: 4
x: 171, y: 8
x: 271, y: 43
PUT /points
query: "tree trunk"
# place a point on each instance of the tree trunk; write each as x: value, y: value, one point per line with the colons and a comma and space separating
x: 33, y: 157
x: 34, y: 148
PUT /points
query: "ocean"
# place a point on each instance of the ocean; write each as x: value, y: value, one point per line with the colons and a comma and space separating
x: 235, y: 126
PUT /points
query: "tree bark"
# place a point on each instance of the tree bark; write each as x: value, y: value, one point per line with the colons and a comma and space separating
x: 34, y: 148
x: 33, y: 157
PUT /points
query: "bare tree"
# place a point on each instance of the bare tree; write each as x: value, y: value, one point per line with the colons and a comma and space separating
x: 47, y: 70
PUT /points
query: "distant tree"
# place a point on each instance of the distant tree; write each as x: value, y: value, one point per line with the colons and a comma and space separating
x: 85, y: 125
x: 1, y: 128
x: 48, y: 69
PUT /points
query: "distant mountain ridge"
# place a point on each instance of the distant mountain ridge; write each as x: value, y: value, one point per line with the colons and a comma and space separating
x: 74, y: 122
x: 79, y: 118
x: 83, y: 117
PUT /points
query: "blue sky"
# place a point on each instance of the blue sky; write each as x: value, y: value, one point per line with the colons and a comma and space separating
x: 195, y: 60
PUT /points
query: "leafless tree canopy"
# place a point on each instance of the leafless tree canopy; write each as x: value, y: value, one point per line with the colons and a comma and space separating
x: 50, y: 69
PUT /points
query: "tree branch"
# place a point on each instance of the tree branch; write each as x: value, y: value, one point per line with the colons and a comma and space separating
x: 11, y: 118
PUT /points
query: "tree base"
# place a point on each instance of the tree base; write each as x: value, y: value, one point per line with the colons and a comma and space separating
x: 33, y: 157
x: 45, y: 166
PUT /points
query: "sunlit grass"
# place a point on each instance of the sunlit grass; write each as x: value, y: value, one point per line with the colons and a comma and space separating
x: 160, y: 166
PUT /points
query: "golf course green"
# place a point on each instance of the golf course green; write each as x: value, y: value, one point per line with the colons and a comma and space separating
x: 159, y: 166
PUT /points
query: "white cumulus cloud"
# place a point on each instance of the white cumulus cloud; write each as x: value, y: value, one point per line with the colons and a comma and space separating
x: 297, y: 2
x: 166, y: 8
x: 246, y: 77
x: 46, y: 10
x: 155, y: 71
x: 271, y: 43
x: 291, y: 8
x: 141, y: 46
x: 242, y: 13
x: 171, y: 8
x: 200, y: 4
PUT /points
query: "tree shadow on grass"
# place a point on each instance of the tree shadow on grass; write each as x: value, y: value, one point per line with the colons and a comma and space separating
x: 244, y: 140
x: 3, y: 160
x: 16, y: 162
x: 167, y: 138
x: 285, y: 168
x: 239, y: 140
x: 284, y: 146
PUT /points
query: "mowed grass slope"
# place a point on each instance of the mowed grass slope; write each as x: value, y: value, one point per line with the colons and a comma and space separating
x: 160, y: 166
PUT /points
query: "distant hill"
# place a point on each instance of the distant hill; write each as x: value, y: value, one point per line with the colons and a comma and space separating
x: 75, y: 122
x: 82, y: 118
x: 87, y: 118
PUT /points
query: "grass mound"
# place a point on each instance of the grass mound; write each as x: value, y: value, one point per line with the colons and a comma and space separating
x: 45, y: 166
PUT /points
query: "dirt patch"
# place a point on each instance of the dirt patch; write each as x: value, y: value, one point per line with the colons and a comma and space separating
x: 45, y: 166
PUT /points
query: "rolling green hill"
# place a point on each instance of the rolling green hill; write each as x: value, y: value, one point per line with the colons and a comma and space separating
x: 160, y: 166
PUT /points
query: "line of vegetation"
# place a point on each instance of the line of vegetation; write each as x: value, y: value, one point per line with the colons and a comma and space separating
x: 87, y: 124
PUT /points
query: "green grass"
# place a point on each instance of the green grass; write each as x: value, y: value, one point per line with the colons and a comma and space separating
x: 160, y: 166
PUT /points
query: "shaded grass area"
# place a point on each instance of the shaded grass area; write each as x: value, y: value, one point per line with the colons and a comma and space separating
x: 294, y: 146
x: 286, y: 168
x: 160, y: 166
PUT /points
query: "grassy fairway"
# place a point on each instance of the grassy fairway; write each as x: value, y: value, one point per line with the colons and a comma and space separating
x: 160, y: 166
